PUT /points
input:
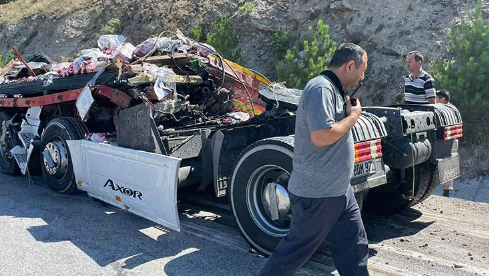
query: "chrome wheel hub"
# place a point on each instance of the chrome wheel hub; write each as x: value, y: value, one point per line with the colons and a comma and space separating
x: 268, y: 200
x: 57, y: 152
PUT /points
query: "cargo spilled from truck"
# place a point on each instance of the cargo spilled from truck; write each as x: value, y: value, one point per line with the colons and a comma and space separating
x: 131, y: 124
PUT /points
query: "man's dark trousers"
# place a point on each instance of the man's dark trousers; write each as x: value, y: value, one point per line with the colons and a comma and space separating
x: 315, y: 221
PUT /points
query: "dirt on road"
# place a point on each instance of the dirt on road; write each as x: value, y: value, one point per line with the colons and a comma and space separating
x: 45, y: 233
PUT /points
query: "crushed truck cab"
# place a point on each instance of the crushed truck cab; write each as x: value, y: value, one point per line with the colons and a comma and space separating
x: 130, y: 125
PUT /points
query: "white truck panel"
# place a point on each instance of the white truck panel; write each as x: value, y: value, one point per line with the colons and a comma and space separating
x: 140, y: 182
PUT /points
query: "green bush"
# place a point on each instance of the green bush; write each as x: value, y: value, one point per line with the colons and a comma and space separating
x: 5, y: 60
x: 465, y: 74
x: 6, y: 1
x: 196, y: 33
x: 312, y: 58
x: 247, y: 7
x: 225, y: 41
x: 280, y: 42
x: 112, y: 27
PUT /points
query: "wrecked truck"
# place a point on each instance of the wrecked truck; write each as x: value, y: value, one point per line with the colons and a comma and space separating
x: 131, y: 125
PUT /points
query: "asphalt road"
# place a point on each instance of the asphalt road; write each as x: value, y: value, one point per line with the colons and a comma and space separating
x: 45, y: 233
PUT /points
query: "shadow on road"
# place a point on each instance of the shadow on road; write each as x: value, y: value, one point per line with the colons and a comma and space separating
x: 108, y: 235
x: 381, y: 228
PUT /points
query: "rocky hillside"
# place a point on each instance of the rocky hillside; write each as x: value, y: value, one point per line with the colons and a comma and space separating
x: 387, y: 29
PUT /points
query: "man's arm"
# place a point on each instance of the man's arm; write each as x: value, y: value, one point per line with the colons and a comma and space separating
x: 327, y: 136
x: 429, y: 90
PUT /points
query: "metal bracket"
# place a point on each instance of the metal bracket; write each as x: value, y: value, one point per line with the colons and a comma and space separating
x: 216, y: 144
x: 27, y: 134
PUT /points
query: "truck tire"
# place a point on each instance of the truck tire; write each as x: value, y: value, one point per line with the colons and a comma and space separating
x: 393, y: 197
x: 8, y: 165
x: 263, y: 169
x: 432, y: 172
x: 60, y: 177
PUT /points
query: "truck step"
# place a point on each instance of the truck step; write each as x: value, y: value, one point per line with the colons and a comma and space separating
x: 26, y: 139
x: 20, y: 155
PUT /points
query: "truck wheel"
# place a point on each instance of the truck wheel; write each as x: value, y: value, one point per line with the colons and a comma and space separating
x: 395, y: 195
x: 60, y: 175
x: 263, y: 170
x: 360, y: 197
x: 8, y: 165
x: 431, y: 172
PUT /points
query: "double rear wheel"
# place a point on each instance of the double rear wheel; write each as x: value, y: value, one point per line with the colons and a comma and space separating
x: 258, y: 192
x: 57, y: 168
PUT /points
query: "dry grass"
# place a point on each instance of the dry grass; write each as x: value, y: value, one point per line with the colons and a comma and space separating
x: 19, y: 9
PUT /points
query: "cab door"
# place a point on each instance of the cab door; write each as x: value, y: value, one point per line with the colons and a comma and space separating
x: 140, y: 182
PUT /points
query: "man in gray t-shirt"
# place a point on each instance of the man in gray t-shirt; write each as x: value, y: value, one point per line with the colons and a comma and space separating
x: 324, y: 209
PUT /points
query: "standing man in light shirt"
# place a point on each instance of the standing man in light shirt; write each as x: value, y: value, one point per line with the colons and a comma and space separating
x: 324, y: 209
x: 419, y: 86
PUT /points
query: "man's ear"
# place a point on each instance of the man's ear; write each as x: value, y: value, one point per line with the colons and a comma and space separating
x: 349, y: 66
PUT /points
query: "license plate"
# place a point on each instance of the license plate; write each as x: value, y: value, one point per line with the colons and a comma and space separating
x: 363, y: 168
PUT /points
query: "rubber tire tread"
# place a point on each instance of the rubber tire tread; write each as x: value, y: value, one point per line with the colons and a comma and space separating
x: 391, y: 202
x: 9, y: 169
x: 360, y: 198
x: 76, y: 131
x: 288, y: 143
x: 433, y: 180
x: 80, y: 127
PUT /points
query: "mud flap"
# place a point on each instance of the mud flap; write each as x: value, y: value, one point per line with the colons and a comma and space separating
x: 448, y: 168
x: 140, y: 182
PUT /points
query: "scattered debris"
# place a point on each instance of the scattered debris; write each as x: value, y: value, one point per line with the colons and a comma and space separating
x: 185, y: 82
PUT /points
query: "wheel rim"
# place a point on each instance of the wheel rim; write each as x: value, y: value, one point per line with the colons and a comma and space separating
x: 5, y: 147
x: 58, y: 151
x: 265, y: 181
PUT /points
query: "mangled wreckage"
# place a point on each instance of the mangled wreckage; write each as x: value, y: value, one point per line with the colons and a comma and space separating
x: 130, y: 125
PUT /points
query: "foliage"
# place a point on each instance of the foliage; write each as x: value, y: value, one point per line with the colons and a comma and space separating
x: 5, y: 1
x: 247, y: 7
x: 17, y: 10
x: 112, y: 27
x: 465, y: 75
x: 280, y: 42
x: 4, y: 60
x: 225, y: 41
x: 196, y: 33
x: 312, y: 58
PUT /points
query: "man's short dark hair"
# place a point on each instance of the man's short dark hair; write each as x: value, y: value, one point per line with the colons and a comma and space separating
x: 417, y: 56
x: 443, y: 93
x: 345, y: 53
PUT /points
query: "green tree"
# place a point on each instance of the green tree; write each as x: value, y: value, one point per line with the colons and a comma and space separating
x: 280, y: 42
x: 301, y: 64
x: 224, y: 40
x: 4, y: 60
x: 196, y: 33
x: 247, y: 7
x: 465, y: 74
x: 112, y: 27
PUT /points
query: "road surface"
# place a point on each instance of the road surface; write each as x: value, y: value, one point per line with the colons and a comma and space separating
x: 45, y: 233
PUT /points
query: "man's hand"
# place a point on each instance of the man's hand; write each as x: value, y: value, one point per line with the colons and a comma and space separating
x: 353, y: 110
x: 327, y: 136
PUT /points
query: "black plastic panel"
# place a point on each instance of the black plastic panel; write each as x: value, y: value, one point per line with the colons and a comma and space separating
x: 368, y: 127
